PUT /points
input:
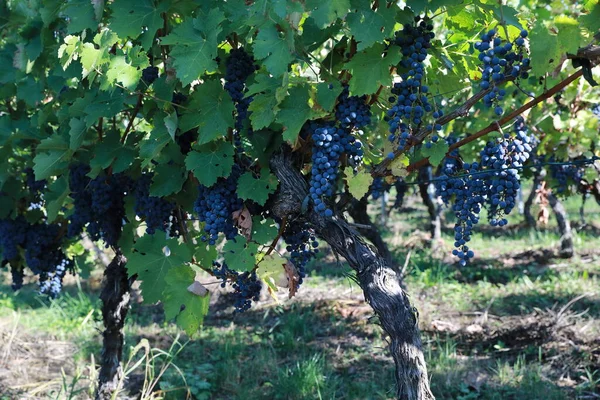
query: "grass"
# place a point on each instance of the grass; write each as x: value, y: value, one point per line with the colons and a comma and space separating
x: 325, y: 344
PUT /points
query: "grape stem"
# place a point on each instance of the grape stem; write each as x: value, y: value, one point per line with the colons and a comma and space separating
x: 279, y: 234
x: 589, y: 52
x: 133, y: 114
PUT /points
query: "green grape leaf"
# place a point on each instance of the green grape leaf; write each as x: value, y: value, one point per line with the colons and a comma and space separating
x: 211, y: 110
x: 151, y: 147
x: 325, y: 12
x: 591, y: 21
x: 56, y: 196
x: 132, y: 17
x: 258, y: 190
x: 167, y: 179
x: 370, y: 70
x: 81, y: 16
x: 194, y: 45
x: 204, y: 254
x: 263, y: 109
x: 77, y: 133
x: 239, y: 254
x: 171, y: 124
x: 210, y: 161
x: 436, y: 153
x: 271, y: 266
x: 109, y: 151
x: 153, y: 259
x: 294, y: 112
x: 53, y: 156
x: 263, y: 230
x: 327, y: 94
x: 274, y: 48
x: 358, y: 185
x: 121, y: 71
x: 367, y: 27
x: 188, y: 308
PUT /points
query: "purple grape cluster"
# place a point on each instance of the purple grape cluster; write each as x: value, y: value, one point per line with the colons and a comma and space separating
x: 99, y: 204
x: 493, y: 182
x: 156, y: 211
x: 149, y: 75
x: 246, y: 285
x: 238, y: 67
x: 302, y: 246
x: 42, y: 252
x: 352, y: 112
x: 565, y: 174
x: 411, y: 104
x: 215, y: 205
x: 327, y: 149
x: 499, y: 62
x: 13, y: 233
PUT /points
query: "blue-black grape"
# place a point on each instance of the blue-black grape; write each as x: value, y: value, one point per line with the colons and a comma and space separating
x: 499, y: 62
x: 215, y: 206
x: 493, y: 182
x: 238, y: 67
x: 302, y: 246
x: 410, y: 104
x: 99, y: 204
x: 565, y: 174
x: 327, y: 149
x: 149, y: 75
x: 352, y: 112
x: 246, y: 285
x: 156, y: 211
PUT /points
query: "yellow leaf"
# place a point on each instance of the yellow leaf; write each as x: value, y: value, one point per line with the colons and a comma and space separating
x: 398, y: 166
x: 358, y: 185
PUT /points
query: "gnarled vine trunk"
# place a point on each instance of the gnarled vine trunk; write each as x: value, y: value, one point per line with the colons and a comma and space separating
x: 433, y: 210
x: 566, y: 249
x: 529, y: 219
x: 358, y: 212
x: 378, y: 280
x: 115, y: 305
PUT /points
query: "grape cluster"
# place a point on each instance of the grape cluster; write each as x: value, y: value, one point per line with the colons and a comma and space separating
x: 563, y: 174
x: 35, y: 189
x: 17, y: 275
x: 149, y: 75
x: 411, y: 104
x: 51, y: 285
x: 493, y: 182
x: 302, y: 246
x: 352, y: 112
x: 246, y: 285
x: 41, y: 249
x: 215, y: 205
x: 33, y: 185
x: 327, y: 148
x: 156, y: 211
x: 238, y: 67
x: 13, y: 233
x: 378, y: 188
x: 499, y: 62
x: 99, y: 204
x: 508, y: 154
x: 401, y: 189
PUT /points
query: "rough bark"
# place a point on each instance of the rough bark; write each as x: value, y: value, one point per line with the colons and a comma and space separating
x: 435, y: 224
x: 529, y: 219
x: 566, y: 249
x: 378, y: 280
x: 358, y: 212
x: 115, y: 305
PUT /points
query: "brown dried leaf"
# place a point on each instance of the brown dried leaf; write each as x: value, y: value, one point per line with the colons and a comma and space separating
x: 243, y: 219
x: 543, y: 216
x: 293, y: 277
x: 198, y: 289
